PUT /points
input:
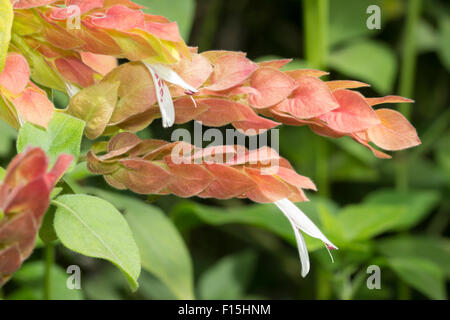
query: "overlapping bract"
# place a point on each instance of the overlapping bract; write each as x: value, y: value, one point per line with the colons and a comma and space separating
x: 234, y: 90
x: 78, y: 42
x: 20, y: 100
x: 24, y: 198
x: 159, y: 167
x: 296, y: 97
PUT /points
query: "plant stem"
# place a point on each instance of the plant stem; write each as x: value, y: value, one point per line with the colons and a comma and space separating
x: 322, y: 172
x: 407, y: 79
x: 315, y: 25
x: 315, y: 19
x: 49, y: 261
x: 409, y: 54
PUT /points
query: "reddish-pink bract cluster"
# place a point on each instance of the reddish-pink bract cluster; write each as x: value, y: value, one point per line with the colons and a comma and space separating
x: 295, y: 97
x: 24, y: 198
x: 80, y: 40
x: 234, y: 90
x: 159, y: 167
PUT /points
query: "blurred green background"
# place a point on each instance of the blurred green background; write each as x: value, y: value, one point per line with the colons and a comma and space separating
x: 391, y: 213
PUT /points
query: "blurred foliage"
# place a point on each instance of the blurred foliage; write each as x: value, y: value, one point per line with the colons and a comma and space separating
x: 210, y: 249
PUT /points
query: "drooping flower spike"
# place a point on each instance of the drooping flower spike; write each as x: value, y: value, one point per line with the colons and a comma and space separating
x: 234, y: 90
x: 222, y: 172
x: 24, y: 198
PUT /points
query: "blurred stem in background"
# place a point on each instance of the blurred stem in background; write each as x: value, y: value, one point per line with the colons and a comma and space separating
x: 209, y: 26
x: 407, y: 80
x: 406, y: 89
x: 315, y: 25
x: 315, y: 29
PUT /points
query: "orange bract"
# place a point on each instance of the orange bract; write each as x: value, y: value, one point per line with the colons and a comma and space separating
x: 234, y: 90
x: 23, y: 101
x: 158, y: 167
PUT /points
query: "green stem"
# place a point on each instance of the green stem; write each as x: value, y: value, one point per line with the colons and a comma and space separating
x: 315, y: 19
x: 407, y: 79
x: 315, y: 25
x: 49, y: 261
x: 322, y: 171
x: 409, y: 54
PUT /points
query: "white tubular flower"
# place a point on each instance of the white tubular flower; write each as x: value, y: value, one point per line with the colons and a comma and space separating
x: 300, y: 221
x: 161, y: 73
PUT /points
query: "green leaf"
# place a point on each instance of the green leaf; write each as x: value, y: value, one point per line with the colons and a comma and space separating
x: 181, y: 11
x: 189, y: 215
x: 153, y: 288
x: 47, y: 232
x: 94, y: 228
x: 63, y: 135
x: 163, y: 251
x: 105, y: 284
x: 25, y: 294
x: 6, y: 17
x: 229, y: 278
x: 418, y: 204
x: 421, y: 274
x: 364, y: 221
x: 31, y: 276
x: 444, y: 41
x: 367, y: 60
x: 436, y: 250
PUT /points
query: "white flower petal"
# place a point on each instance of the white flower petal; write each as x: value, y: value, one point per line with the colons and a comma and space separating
x: 165, y: 101
x: 302, y: 249
x: 71, y: 89
x: 171, y: 76
x: 302, y: 221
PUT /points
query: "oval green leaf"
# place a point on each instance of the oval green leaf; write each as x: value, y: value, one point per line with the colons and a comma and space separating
x: 95, y: 228
x: 162, y: 248
x: 63, y: 135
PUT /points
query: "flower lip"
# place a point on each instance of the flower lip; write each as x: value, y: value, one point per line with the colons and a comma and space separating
x: 300, y: 221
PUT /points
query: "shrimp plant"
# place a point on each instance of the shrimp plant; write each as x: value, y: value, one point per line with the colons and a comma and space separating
x: 122, y: 69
